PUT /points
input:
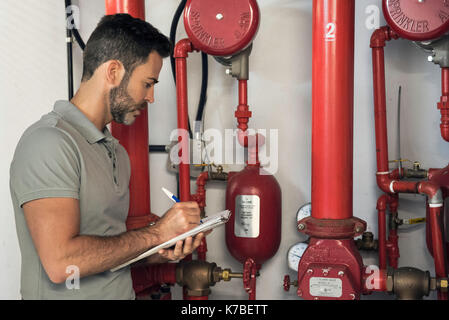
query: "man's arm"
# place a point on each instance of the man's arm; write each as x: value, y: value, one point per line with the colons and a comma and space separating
x: 54, y: 227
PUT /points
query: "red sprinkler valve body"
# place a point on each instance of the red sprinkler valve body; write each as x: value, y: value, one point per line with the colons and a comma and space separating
x: 221, y: 28
x: 417, y: 20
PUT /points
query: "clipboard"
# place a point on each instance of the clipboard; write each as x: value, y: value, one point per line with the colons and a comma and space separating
x: 207, y: 224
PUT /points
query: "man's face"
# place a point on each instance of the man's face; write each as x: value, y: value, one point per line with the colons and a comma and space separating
x: 135, y: 91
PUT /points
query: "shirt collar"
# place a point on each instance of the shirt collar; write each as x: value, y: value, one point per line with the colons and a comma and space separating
x: 77, y: 119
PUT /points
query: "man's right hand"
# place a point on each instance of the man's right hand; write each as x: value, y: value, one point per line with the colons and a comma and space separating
x: 182, y: 217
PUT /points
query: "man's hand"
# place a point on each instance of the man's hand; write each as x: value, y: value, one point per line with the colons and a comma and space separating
x: 182, y: 248
x: 182, y: 217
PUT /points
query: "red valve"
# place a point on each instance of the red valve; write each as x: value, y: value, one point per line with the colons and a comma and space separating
x: 287, y: 283
x: 221, y: 28
x: 417, y: 20
x: 249, y: 278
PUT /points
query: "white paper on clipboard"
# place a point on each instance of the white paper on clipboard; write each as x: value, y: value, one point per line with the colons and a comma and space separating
x: 207, y: 224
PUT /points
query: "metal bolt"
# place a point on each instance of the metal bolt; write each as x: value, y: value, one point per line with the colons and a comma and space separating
x: 316, y: 298
x: 358, y: 229
x: 352, y: 296
x: 301, y: 226
x: 325, y: 272
x: 309, y: 271
x: 219, y: 16
x: 228, y: 71
x: 341, y: 273
x: 430, y: 58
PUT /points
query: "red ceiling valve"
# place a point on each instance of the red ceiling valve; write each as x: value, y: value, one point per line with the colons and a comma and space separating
x: 417, y: 20
x: 221, y: 28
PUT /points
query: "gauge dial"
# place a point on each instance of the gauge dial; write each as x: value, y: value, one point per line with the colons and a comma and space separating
x: 304, y: 212
x: 294, y: 255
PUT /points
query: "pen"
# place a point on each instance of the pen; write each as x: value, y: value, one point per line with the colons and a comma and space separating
x: 170, y: 195
x: 173, y: 198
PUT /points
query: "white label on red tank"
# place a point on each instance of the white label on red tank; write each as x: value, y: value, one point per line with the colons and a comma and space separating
x: 326, y: 287
x: 247, y: 216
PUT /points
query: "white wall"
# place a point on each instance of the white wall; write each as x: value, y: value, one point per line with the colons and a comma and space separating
x: 33, y: 76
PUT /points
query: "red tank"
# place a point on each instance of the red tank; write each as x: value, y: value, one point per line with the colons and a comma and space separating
x: 254, y: 229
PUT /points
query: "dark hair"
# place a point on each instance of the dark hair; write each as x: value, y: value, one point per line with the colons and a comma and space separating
x: 124, y: 38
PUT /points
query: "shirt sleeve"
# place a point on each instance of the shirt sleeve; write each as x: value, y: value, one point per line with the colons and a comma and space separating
x: 46, y: 164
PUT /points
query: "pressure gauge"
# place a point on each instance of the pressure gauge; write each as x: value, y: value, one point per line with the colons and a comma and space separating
x: 304, y: 212
x: 294, y: 255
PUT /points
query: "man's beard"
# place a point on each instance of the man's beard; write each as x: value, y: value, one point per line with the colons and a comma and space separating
x: 121, y: 103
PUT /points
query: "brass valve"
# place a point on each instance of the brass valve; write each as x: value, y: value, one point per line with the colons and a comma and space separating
x: 198, y: 276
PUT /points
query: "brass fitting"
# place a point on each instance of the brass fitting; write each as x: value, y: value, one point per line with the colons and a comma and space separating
x: 198, y: 276
x: 443, y: 284
x: 227, y: 274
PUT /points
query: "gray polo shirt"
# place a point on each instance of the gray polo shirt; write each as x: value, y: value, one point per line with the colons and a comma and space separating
x: 64, y: 155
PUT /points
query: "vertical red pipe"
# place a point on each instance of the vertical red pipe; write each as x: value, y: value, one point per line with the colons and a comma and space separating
x: 438, y: 249
x: 444, y: 104
x: 382, y: 227
x: 134, y: 138
x: 181, y: 52
x: 332, y: 103
x: 380, y: 111
x: 136, y: 8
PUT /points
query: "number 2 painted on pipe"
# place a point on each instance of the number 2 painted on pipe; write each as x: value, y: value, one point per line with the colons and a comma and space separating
x: 330, y: 31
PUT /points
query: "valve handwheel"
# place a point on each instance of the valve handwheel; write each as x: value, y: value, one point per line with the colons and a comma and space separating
x: 287, y: 283
x: 417, y: 20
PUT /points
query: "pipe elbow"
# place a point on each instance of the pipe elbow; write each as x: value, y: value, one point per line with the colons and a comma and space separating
x: 202, y: 179
x: 382, y: 35
x: 182, y: 48
x: 382, y: 202
x: 250, y: 141
x: 384, y: 182
x: 432, y: 191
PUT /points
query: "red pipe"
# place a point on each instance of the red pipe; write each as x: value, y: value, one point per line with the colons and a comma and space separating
x: 332, y: 109
x: 200, y: 198
x: 385, y: 180
x: 135, y: 140
x: 438, y: 249
x: 136, y: 8
x: 182, y: 49
x: 382, y: 227
x: 443, y: 105
x: 159, y: 273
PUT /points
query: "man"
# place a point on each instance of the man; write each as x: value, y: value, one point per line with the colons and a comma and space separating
x: 69, y: 177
